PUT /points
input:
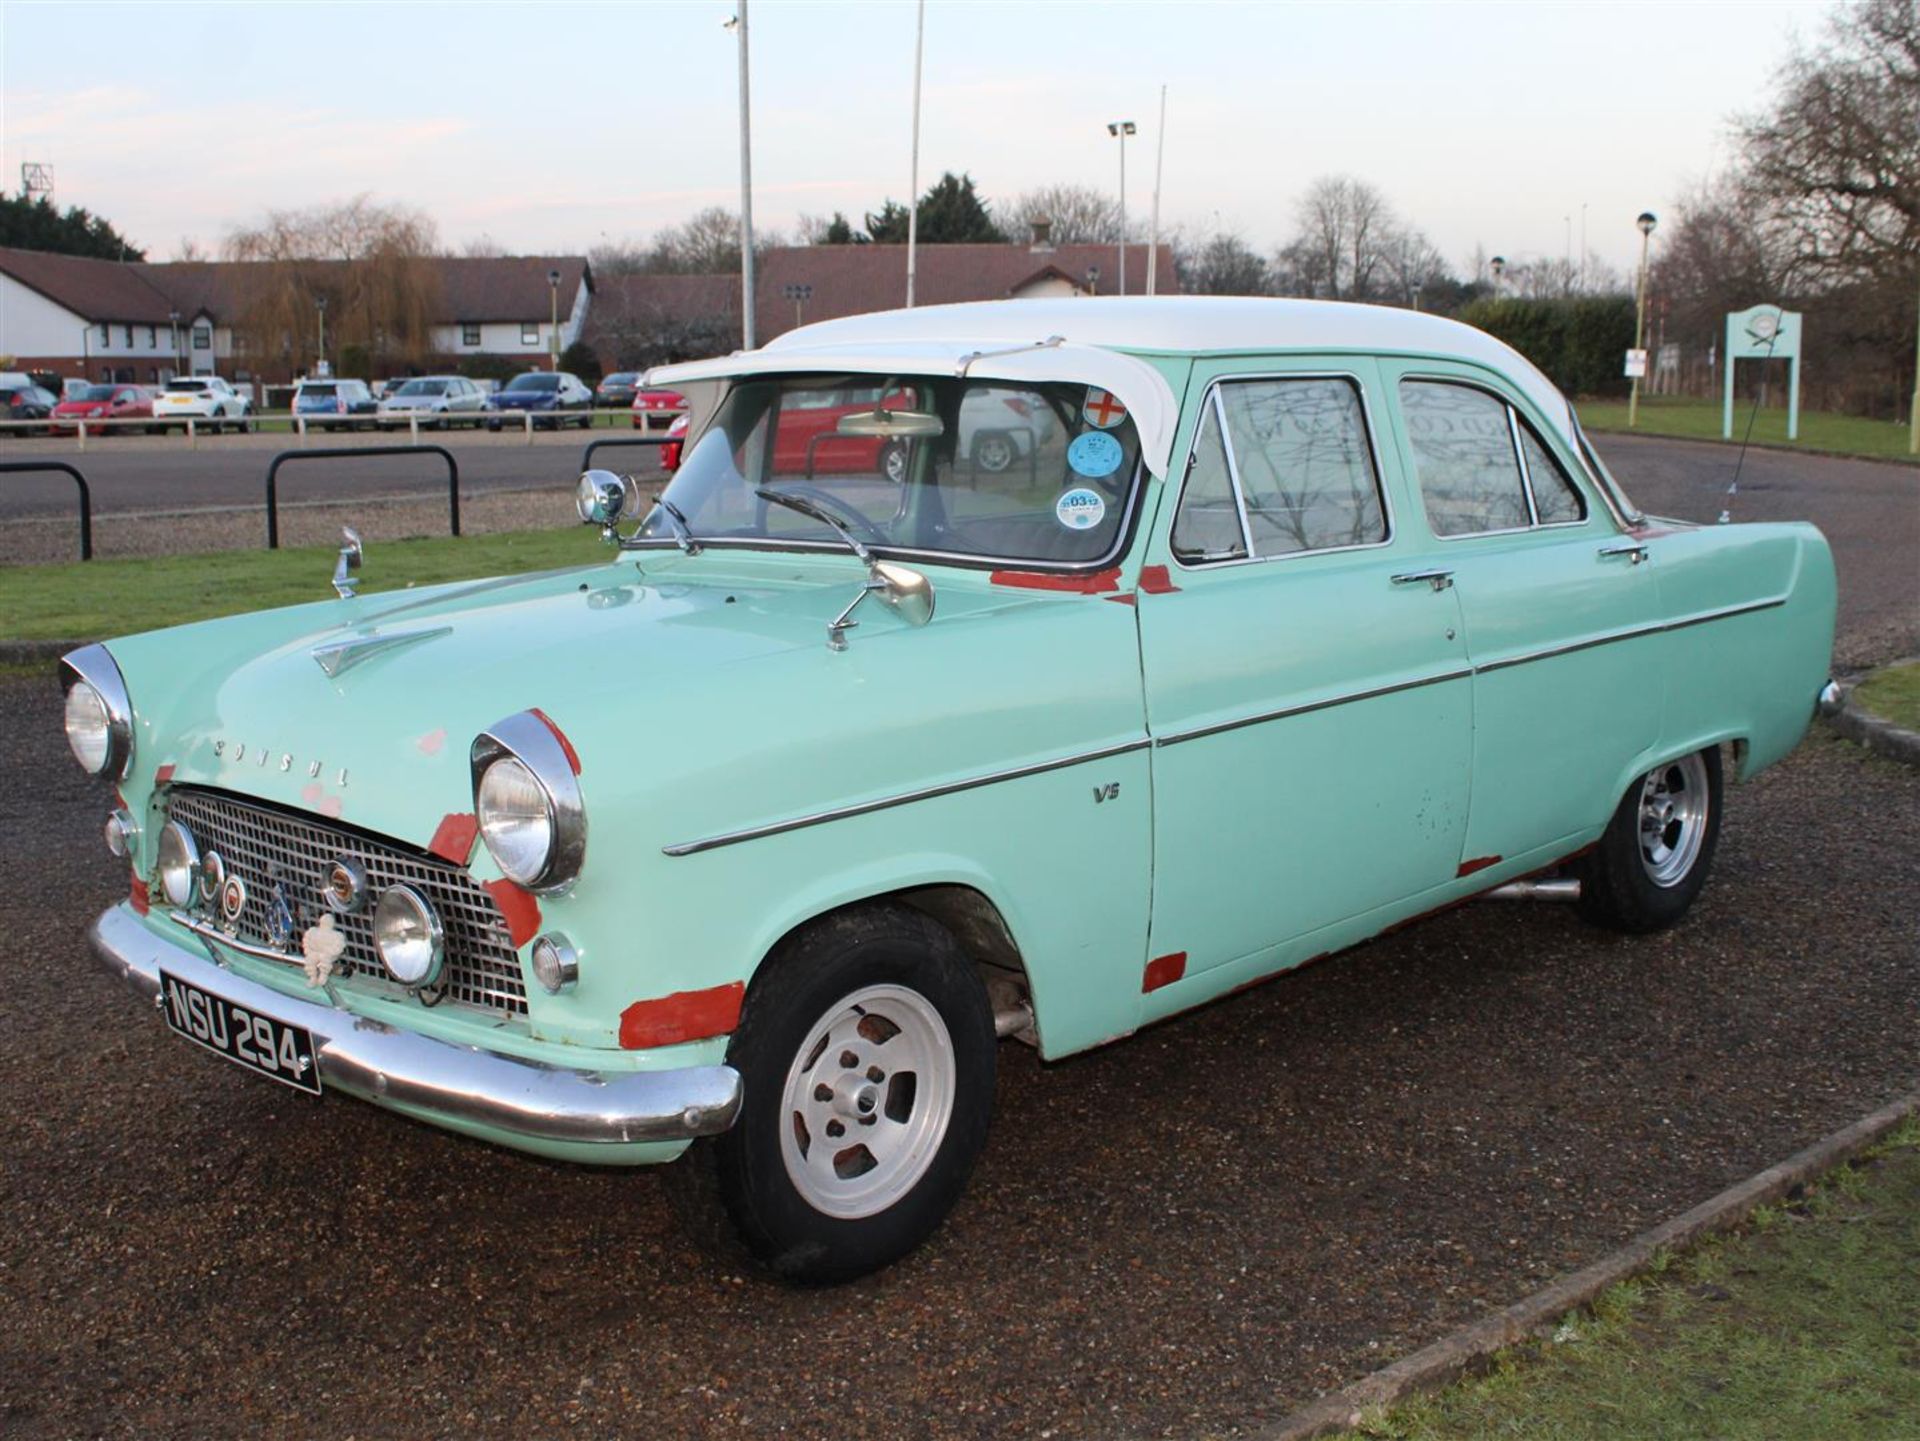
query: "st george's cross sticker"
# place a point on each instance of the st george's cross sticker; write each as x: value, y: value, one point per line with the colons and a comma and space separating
x: 1103, y: 409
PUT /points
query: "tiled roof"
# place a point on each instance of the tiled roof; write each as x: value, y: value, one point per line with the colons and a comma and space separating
x: 94, y: 290
x: 855, y: 279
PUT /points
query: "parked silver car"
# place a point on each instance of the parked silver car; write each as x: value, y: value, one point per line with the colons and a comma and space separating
x: 441, y: 401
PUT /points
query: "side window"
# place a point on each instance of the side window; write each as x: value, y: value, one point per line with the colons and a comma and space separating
x: 1469, y: 473
x: 1555, y: 499
x: 1208, y: 525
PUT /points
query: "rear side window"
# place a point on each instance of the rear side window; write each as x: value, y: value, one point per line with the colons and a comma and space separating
x: 1285, y: 463
x: 1480, y: 468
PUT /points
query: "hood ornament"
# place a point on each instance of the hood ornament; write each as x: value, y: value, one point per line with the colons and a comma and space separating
x: 337, y: 656
x: 344, y: 579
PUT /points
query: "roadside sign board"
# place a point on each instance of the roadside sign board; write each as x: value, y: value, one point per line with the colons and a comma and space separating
x: 1764, y: 332
x: 1636, y: 365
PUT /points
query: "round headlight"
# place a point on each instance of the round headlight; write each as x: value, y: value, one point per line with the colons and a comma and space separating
x: 89, y: 727
x: 516, y: 819
x: 408, y: 937
x: 556, y: 965
x: 179, y: 864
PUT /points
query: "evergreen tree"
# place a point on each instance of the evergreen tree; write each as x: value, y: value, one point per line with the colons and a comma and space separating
x: 36, y: 225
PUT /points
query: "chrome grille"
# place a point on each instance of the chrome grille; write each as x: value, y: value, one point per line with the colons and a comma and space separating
x: 263, y: 845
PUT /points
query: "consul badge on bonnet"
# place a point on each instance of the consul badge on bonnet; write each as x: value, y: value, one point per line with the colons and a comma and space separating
x: 263, y: 756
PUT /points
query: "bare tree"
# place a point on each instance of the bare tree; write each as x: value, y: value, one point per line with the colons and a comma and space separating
x: 1834, y: 166
x: 372, y: 265
x: 1081, y: 215
x: 189, y: 249
x: 1219, y: 263
x: 483, y: 247
x: 706, y: 243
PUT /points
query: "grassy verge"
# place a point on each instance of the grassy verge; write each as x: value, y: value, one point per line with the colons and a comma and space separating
x: 1805, y: 1323
x: 112, y: 597
x: 1892, y: 693
x: 1700, y: 420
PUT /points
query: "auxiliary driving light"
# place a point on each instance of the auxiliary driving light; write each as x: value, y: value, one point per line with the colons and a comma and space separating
x: 122, y: 833
x: 179, y: 865
x: 408, y: 937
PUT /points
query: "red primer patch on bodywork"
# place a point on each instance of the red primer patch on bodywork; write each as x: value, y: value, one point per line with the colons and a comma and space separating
x: 1164, y: 971
x: 1125, y: 597
x: 454, y: 838
x: 1156, y: 580
x: 137, y: 894
x: 432, y: 743
x: 1099, y: 583
x: 573, y: 756
x: 519, y: 907
x: 682, y: 1016
x: 1479, y: 863
x: 163, y: 775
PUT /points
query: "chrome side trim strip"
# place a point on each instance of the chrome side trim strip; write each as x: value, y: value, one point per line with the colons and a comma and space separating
x: 774, y: 828
x: 1263, y: 717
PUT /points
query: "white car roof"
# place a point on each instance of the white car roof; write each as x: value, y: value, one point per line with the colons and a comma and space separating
x: 1086, y: 340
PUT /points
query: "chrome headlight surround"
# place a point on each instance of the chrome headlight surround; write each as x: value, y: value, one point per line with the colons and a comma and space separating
x: 93, y: 667
x: 178, y: 865
x: 536, y: 744
x: 409, y: 937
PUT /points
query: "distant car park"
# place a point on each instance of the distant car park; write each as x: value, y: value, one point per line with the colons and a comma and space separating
x: 554, y: 398
x: 335, y: 404
x: 616, y: 391
x: 655, y: 408
x: 207, y: 400
x: 22, y: 400
x: 102, y: 402
x: 439, y: 401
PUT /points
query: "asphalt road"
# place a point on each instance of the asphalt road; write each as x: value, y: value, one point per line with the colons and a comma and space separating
x: 1186, y: 1233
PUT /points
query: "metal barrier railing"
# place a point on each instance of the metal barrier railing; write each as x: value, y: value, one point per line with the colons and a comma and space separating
x: 586, y: 456
x: 80, y: 430
x: 28, y: 467
x: 358, y: 452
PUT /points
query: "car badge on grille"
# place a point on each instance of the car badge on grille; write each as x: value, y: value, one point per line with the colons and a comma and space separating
x: 279, y: 918
x: 233, y: 900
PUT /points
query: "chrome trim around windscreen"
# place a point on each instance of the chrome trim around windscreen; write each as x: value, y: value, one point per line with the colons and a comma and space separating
x: 861, y: 808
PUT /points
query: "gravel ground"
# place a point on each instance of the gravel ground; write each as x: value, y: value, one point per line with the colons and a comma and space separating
x: 1188, y: 1233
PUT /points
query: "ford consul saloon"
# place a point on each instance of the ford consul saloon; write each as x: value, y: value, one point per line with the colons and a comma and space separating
x: 1271, y: 626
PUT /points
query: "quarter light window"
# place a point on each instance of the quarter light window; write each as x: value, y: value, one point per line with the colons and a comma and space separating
x: 1295, y: 473
x: 1480, y: 467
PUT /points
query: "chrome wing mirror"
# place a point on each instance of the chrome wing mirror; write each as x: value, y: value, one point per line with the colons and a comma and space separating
x: 902, y: 589
x: 344, y: 568
x: 604, y: 499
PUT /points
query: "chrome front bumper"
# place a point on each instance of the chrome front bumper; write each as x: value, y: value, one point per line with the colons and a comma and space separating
x: 384, y: 1064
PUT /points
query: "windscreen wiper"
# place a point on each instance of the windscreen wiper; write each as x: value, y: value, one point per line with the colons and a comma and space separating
x: 817, y: 512
x: 682, y: 532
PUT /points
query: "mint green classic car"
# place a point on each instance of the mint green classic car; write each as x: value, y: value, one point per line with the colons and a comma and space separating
x: 1031, y: 669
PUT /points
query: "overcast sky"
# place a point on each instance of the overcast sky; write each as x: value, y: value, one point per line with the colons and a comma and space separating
x: 552, y: 127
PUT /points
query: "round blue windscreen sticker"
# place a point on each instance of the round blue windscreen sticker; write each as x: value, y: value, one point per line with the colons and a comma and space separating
x: 1080, y: 508
x: 1095, y: 454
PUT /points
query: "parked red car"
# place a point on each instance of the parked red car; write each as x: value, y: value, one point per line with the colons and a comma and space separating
x: 655, y: 409
x: 676, y: 442
x: 102, y: 402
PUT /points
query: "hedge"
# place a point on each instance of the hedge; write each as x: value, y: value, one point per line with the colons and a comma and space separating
x: 1581, y: 343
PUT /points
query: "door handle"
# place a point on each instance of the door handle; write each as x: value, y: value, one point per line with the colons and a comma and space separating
x: 1634, y: 553
x: 1438, y: 579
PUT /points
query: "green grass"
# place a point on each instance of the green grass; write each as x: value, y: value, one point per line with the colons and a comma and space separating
x: 82, y: 601
x: 1892, y: 693
x: 1700, y: 420
x: 1804, y: 1324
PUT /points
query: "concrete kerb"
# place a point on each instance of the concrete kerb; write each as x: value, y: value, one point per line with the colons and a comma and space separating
x: 1881, y: 736
x: 1453, y: 1356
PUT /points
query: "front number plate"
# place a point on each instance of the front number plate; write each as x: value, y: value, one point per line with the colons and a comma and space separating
x: 260, y: 1043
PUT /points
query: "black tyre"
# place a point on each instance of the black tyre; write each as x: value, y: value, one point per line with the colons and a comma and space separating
x: 994, y: 451
x: 893, y: 462
x: 1653, y: 858
x: 866, y: 1046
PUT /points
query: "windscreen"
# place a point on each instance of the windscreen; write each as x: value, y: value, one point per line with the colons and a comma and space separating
x: 186, y: 387
x: 423, y: 387
x: 534, y: 382
x: 1034, y: 474
x: 322, y: 392
x: 95, y: 392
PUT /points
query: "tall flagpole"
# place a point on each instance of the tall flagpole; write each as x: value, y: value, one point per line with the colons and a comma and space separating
x: 913, y: 183
x: 746, y: 194
x: 1159, y: 161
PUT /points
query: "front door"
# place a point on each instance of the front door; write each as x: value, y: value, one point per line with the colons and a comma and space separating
x: 1307, y: 681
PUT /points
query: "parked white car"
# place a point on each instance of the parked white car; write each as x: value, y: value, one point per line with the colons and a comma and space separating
x: 207, y: 399
x: 439, y: 400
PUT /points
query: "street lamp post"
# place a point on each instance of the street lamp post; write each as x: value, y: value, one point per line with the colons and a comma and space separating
x: 1498, y: 265
x: 1093, y: 280
x: 320, y: 304
x: 173, y: 335
x: 553, y: 314
x: 738, y: 24
x: 1646, y: 221
x: 1120, y: 130
x: 1417, y: 286
x: 913, y: 172
x: 1913, y: 406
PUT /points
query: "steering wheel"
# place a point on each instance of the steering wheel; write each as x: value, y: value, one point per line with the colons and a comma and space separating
x: 827, y: 500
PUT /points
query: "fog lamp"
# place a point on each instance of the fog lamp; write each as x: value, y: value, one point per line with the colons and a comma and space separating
x: 408, y: 937
x: 179, y: 865
x: 122, y: 833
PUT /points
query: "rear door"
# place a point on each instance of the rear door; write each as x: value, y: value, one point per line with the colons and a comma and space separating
x: 1307, y: 682
x: 1562, y: 610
